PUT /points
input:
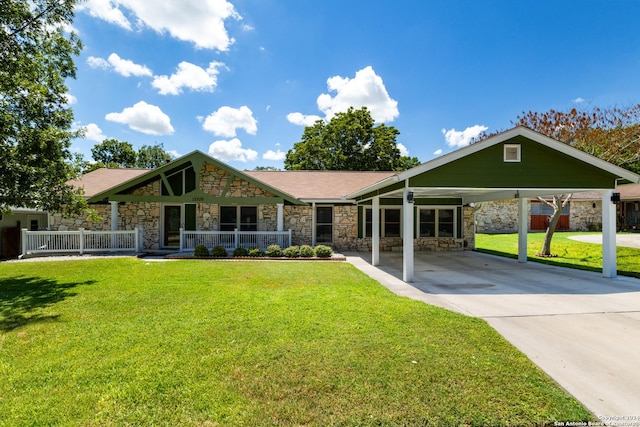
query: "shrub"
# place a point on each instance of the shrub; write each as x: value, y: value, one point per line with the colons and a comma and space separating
x: 240, y: 252
x: 218, y: 251
x: 323, y: 251
x: 292, y: 252
x: 274, y: 250
x: 307, y: 251
x: 256, y: 252
x: 201, y: 250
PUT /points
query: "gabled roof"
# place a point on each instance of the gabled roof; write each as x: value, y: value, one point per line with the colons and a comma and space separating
x: 466, y: 172
x: 197, y: 159
x: 319, y: 185
x: 103, y: 179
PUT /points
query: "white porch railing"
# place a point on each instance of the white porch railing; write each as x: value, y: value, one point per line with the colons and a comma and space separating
x: 80, y: 241
x: 233, y: 239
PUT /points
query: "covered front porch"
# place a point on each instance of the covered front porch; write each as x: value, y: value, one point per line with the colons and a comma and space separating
x: 517, y: 164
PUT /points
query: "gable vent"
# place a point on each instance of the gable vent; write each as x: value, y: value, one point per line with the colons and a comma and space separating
x: 512, y: 153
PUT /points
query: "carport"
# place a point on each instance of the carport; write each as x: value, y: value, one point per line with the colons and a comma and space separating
x: 516, y: 164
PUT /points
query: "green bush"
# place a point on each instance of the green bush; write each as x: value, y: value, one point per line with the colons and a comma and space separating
x: 201, y: 250
x: 256, y: 252
x: 218, y: 251
x: 323, y: 251
x: 274, y: 250
x: 292, y: 252
x: 307, y: 251
x: 240, y: 252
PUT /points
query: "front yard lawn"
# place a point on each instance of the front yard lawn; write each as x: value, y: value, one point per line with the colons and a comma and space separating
x: 570, y: 253
x: 207, y: 343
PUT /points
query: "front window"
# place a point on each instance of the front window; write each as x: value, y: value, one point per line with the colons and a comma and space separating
x: 390, y: 222
x: 437, y: 222
x: 244, y: 218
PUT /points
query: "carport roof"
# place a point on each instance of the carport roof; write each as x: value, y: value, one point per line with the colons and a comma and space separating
x: 483, y: 171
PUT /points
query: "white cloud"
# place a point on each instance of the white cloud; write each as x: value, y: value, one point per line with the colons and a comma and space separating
x: 302, y: 120
x: 365, y: 89
x: 403, y: 150
x: 95, y: 62
x: 107, y: 11
x: 274, y: 155
x: 463, y: 138
x: 437, y: 152
x: 144, y: 118
x: 196, y: 21
x: 175, y: 154
x: 578, y: 100
x: 124, y: 67
x: 70, y: 98
x: 229, y: 151
x: 227, y: 120
x: 190, y: 76
x: 128, y: 68
x: 93, y: 132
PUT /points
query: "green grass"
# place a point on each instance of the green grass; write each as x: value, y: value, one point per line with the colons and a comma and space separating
x: 570, y: 253
x: 204, y: 343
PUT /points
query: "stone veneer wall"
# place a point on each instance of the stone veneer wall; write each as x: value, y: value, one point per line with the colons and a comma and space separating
x: 502, y: 216
x: 584, y: 217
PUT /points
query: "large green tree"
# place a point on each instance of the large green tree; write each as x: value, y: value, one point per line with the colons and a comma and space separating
x: 152, y: 156
x: 112, y: 153
x: 36, y: 58
x: 349, y: 141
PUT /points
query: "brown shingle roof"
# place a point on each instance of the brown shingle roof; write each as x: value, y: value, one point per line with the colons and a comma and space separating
x: 326, y: 185
x: 102, y: 179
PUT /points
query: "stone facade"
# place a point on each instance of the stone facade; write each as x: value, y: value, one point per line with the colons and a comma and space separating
x: 218, y: 182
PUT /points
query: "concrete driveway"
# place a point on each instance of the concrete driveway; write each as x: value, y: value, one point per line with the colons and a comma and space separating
x: 580, y: 328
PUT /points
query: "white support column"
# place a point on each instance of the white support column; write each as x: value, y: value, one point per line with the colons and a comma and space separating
x: 407, y: 236
x: 375, y: 231
x: 523, y: 228
x: 114, y: 216
x: 280, y: 224
x: 609, y: 267
x: 313, y: 224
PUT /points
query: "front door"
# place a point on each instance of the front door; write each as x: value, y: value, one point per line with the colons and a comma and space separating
x: 172, y: 220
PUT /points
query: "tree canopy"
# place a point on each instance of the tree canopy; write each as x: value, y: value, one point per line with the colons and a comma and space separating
x: 36, y: 58
x: 349, y: 141
x: 112, y: 153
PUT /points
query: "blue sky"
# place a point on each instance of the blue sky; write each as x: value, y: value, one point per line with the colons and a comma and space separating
x: 239, y: 79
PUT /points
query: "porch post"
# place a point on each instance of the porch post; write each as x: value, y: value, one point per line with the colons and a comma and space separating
x: 280, y: 225
x: 609, y: 267
x: 407, y: 235
x: 523, y: 219
x: 114, y: 224
x: 313, y: 224
x: 375, y: 231
x: 114, y: 216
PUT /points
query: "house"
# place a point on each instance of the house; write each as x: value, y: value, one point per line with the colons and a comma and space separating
x: 434, y: 202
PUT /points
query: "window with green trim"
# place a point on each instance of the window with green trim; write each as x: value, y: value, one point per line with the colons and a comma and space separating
x: 390, y: 222
x: 437, y: 222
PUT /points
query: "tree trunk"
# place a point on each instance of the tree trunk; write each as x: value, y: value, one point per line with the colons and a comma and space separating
x: 558, y: 207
